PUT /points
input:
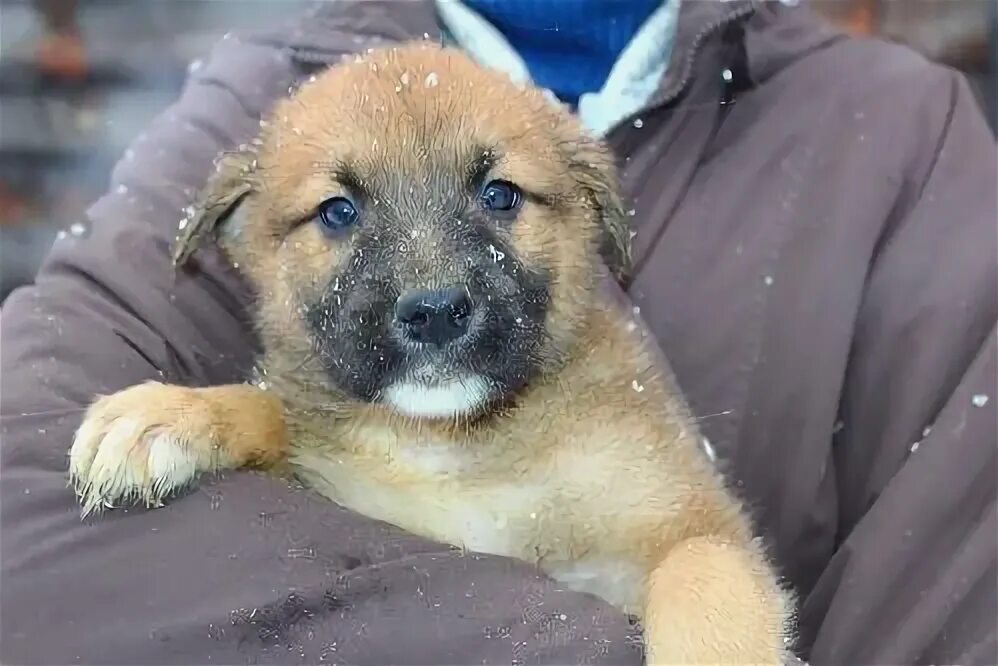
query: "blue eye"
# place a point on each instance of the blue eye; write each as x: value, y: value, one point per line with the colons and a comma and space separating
x: 501, y: 196
x: 338, y: 213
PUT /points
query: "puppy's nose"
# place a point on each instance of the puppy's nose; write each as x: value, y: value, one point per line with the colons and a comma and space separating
x: 434, y: 316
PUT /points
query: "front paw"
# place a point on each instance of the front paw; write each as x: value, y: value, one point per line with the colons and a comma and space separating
x: 141, y: 444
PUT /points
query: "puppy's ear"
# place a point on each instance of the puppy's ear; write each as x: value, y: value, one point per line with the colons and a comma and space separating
x: 598, y: 177
x: 232, y: 181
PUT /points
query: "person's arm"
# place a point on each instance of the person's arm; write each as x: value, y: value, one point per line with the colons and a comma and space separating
x: 914, y: 578
x: 242, y: 569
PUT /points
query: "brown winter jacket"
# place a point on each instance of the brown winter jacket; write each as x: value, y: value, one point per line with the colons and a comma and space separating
x: 816, y: 252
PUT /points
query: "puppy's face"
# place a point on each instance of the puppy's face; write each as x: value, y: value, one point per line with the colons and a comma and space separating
x: 425, y: 232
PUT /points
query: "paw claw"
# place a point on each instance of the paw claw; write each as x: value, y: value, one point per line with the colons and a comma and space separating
x: 121, y: 454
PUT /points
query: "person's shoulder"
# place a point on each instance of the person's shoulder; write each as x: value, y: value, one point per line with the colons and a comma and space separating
x: 841, y: 83
x: 912, y: 104
x: 797, y: 47
x: 338, y: 27
x: 869, y: 66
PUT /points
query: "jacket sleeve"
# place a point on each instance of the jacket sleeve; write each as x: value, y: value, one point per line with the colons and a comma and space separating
x: 913, y: 580
x: 244, y: 568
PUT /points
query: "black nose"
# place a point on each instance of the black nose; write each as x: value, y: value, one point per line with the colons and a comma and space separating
x: 434, y: 316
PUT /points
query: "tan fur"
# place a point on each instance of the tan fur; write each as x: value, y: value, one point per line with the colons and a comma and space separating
x: 594, y: 472
x: 152, y: 438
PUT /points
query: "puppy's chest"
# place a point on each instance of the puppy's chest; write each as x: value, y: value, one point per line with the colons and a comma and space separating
x: 435, y: 490
x: 541, y: 513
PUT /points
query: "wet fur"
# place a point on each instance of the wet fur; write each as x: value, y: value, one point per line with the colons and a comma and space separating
x: 580, y: 455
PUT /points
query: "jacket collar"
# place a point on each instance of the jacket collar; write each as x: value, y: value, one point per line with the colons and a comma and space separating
x: 333, y: 29
x: 633, y: 81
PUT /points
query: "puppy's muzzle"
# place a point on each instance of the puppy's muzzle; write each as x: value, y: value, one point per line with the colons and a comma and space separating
x: 434, y: 316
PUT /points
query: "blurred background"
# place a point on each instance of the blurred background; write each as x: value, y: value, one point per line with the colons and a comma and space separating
x: 79, y: 79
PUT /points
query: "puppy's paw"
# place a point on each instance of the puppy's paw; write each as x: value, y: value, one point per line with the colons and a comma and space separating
x: 141, y: 444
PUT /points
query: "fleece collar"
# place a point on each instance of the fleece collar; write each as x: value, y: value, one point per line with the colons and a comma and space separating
x: 633, y: 80
x: 569, y: 45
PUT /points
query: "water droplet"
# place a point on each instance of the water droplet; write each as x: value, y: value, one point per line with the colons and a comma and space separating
x: 631, y: 212
x: 638, y: 123
x: 61, y: 235
x: 914, y: 447
x: 432, y: 80
x: 727, y: 75
x: 637, y: 386
x: 194, y: 66
x: 77, y: 229
x: 768, y: 280
x: 979, y: 400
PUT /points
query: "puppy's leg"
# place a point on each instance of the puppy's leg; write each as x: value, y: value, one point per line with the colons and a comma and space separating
x: 149, y: 440
x: 711, y: 601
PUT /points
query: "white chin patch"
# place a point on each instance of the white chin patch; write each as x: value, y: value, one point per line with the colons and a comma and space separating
x: 450, y: 398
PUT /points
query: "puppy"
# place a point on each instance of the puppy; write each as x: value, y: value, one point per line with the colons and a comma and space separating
x: 429, y: 245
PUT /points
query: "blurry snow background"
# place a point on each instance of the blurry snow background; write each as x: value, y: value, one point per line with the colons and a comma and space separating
x: 59, y: 141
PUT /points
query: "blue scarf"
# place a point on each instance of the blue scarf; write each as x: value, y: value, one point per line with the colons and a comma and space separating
x: 569, y: 46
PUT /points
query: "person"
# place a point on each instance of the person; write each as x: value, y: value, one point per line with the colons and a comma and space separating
x: 815, y: 252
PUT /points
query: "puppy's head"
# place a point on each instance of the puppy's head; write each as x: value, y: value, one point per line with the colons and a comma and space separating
x: 427, y: 233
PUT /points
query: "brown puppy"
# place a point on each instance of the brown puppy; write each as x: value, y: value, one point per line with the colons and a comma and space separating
x: 428, y: 242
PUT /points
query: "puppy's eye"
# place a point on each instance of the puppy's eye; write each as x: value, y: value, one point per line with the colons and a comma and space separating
x: 501, y: 196
x: 338, y: 213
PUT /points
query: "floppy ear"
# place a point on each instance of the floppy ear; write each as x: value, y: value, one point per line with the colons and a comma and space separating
x: 598, y: 177
x: 232, y: 181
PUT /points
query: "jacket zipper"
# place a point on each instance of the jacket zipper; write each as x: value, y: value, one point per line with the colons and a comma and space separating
x: 671, y: 94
